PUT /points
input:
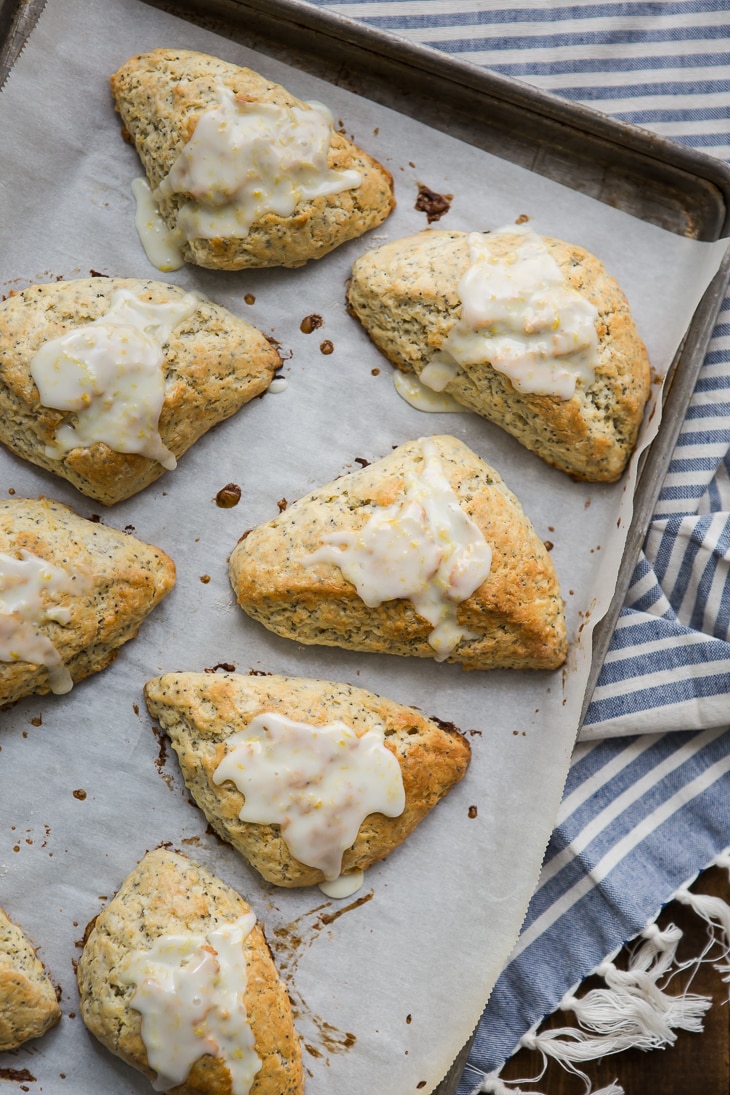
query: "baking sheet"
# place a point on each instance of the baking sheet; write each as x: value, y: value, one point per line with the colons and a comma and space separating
x: 388, y: 985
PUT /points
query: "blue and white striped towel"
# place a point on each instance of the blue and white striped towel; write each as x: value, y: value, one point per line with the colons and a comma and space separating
x: 642, y: 813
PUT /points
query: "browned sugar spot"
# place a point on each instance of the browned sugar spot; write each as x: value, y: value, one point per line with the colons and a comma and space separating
x: 17, y: 1075
x: 433, y: 204
x: 311, y: 323
x: 228, y: 496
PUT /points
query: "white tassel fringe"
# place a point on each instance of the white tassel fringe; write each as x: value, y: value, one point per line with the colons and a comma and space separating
x: 634, y: 1010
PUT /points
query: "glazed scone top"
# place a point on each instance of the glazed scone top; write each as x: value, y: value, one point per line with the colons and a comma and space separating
x: 317, y: 783
x: 31, y: 588
x: 423, y: 547
x: 519, y: 312
x: 110, y: 373
x: 340, y: 191
x: 514, y: 618
x: 245, y: 159
x: 406, y: 293
x: 205, y: 715
x: 72, y: 591
x: 167, y: 908
x: 188, y: 987
x: 200, y: 364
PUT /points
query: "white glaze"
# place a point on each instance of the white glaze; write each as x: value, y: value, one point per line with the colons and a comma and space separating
x: 29, y: 586
x: 418, y: 395
x: 163, y: 246
x: 318, y: 783
x: 344, y: 886
x: 424, y: 548
x: 246, y: 159
x: 110, y: 373
x: 519, y: 314
x: 189, y: 991
x: 439, y: 372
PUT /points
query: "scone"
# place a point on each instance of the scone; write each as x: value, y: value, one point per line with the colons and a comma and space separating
x: 28, y: 1001
x: 529, y: 332
x: 243, y: 173
x: 176, y: 978
x: 107, y: 381
x: 374, y: 768
x: 425, y: 552
x: 72, y: 591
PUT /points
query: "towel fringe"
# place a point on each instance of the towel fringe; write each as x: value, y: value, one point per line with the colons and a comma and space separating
x: 634, y: 1010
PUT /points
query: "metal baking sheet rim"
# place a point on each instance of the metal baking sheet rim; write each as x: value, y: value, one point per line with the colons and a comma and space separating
x: 18, y: 17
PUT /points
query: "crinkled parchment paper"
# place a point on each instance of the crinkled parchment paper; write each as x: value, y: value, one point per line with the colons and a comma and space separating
x: 389, y: 984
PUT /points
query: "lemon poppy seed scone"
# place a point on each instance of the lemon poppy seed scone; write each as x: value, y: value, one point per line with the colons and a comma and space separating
x: 107, y: 381
x: 374, y: 768
x: 176, y: 979
x: 243, y: 173
x: 28, y: 1000
x: 529, y: 332
x: 72, y: 591
x: 425, y: 553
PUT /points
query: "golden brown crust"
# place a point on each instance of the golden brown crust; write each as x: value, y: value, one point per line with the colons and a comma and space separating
x: 28, y: 1001
x: 123, y: 579
x: 516, y: 614
x: 199, y: 711
x: 405, y: 295
x: 160, y: 96
x: 214, y: 364
x: 169, y: 893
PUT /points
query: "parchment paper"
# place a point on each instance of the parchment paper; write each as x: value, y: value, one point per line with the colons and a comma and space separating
x: 389, y: 984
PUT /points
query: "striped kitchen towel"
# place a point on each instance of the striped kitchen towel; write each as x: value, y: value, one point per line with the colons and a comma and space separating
x: 644, y: 810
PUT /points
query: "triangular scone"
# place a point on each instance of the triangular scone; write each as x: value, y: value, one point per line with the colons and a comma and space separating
x: 418, y: 525
x: 210, y: 717
x: 529, y: 332
x: 181, y: 947
x: 28, y: 1000
x: 62, y: 352
x: 233, y: 205
x: 72, y: 591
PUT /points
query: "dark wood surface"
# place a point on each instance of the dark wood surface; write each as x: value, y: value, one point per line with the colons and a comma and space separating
x: 696, y: 1064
